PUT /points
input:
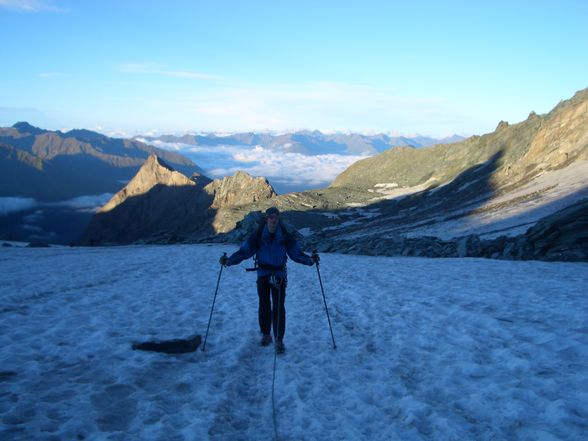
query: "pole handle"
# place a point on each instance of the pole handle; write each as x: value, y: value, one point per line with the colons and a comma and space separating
x: 317, y: 263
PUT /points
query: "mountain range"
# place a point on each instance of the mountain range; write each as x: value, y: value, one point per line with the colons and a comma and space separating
x: 55, y: 166
x: 497, y: 195
x: 307, y: 142
x: 448, y: 200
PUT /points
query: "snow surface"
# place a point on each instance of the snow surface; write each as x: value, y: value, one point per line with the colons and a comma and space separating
x: 554, y: 190
x: 447, y: 349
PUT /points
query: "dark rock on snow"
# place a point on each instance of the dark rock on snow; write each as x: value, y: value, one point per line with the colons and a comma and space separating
x: 176, y: 346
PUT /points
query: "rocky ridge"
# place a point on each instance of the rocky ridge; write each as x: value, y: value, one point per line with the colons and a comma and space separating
x: 54, y: 166
x: 161, y: 205
x: 562, y: 236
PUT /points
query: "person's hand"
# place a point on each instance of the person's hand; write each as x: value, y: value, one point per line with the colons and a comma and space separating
x: 315, y: 258
x: 223, y: 260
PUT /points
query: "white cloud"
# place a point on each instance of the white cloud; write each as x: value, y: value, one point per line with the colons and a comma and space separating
x: 31, y: 6
x: 14, y: 204
x: 289, y: 168
x: 85, y: 203
x: 159, y: 69
x: 81, y: 203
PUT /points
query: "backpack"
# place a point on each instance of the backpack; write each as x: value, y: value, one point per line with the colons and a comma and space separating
x: 255, y: 238
x: 255, y: 241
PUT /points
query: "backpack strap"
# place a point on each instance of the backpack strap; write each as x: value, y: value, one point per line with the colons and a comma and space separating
x: 255, y: 238
x: 289, y: 238
x: 255, y: 242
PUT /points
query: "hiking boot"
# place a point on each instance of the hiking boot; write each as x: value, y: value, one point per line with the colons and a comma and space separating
x: 266, y: 339
x: 280, y: 348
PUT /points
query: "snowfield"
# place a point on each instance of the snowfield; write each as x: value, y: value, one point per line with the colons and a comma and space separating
x: 446, y: 349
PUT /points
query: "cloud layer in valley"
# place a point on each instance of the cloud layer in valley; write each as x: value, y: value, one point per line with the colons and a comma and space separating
x: 9, y: 205
x: 286, y: 171
x: 15, y: 204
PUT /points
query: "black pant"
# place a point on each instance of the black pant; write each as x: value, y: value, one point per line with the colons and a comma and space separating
x: 268, y: 316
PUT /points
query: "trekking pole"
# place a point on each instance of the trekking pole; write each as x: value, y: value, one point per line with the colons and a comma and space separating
x: 325, y: 300
x: 213, y: 301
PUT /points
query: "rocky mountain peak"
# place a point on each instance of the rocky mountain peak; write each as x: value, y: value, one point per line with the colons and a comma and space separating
x: 25, y: 127
x: 239, y: 189
x: 153, y: 172
x: 156, y: 170
x: 502, y: 125
x: 86, y: 135
x: 561, y: 137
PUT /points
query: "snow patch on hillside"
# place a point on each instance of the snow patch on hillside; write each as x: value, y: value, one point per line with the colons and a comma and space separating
x: 394, y: 191
x: 549, y: 192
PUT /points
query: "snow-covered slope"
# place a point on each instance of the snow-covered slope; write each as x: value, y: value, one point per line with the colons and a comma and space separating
x: 445, y: 349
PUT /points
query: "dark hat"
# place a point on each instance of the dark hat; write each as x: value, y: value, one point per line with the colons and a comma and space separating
x: 271, y: 211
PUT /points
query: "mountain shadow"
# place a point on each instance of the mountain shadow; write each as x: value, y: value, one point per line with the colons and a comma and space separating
x: 165, y: 213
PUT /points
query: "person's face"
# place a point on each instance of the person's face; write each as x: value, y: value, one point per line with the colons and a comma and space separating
x: 272, y: 222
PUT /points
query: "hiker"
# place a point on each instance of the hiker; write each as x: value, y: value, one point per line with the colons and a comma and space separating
x: 272, y: 244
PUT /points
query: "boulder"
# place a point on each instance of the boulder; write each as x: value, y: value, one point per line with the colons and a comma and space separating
x: 561, y: 236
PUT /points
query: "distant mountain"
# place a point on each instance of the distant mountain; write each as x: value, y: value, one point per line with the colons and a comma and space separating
x: 308, y: 142
x: 52, y: 166
x: 55, y: 179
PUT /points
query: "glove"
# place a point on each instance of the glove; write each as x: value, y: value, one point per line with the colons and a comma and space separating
x: 223, y: 260
x: 315, y: 258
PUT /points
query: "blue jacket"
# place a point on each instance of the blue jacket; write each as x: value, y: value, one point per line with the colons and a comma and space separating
x: 272, y: 254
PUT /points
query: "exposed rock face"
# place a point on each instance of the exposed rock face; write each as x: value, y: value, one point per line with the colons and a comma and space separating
x: 239, y: 189
x: 157, y: 202
x: 564, y: 139
x: 234, y: 196
x: 153, y: 172
x: 561, y: 236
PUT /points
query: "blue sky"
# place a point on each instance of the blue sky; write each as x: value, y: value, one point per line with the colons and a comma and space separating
x: 428, y: 67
